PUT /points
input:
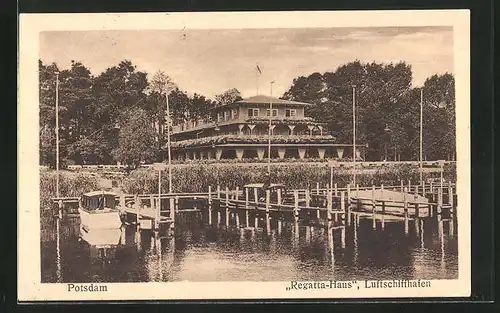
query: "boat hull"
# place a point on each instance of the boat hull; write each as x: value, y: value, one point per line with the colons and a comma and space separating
x: 102, y: 238
x: 109, y: 219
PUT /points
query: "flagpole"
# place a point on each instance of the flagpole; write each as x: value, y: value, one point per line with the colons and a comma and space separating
x: 421, y: 133
x: 57, y: 134
x: 168, y: 145
x: 354, y: 133
x: 269, y: 137
x: 257, y: 80
x: 257, y: 73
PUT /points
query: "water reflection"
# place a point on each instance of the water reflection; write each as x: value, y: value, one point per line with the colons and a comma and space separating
x: 195, y: 252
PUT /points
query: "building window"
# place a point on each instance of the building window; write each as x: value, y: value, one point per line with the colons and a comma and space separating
x: 253, y: 112
x: 233, y: 114
x: 275, y: 112
x: 290, y: 113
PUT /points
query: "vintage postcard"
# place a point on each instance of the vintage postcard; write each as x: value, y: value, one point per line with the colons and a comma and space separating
x: 256, y: 155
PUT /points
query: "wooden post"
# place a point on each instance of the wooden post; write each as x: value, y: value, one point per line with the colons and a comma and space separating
x: 431, y: 189
x: 158, y: 213
x: 296, y: 205
x: 308, y: 198
x: 329, y: 200
x: 237, y: 219
x: 409, y: 185
x: 349, y: 193
x: 152, y: 202
x: 268, y: 222
x: 417, y: 210
x: 440, y: 199
x: 246, y: 199
x: 137, y: 207
x: 402, y: 186
x: 374, y: 204
x: 122, y: 201
x: 382, y: 219
x: 317, y: 188
x: 279, y: 196
x: 357, y: 190
x: 450, y: 195
x: 247, y: 222
x: 336, y: 189
x: 423, y: 188
x: 227, y: 206
x: 255, y: 195
x: 209, y: 205
x: 218, y: 217
x: 256, y: 221
x: 60, y: 206
x: 405, y: 200
x: 342, y: 237
x: 218, y: 192
x: 343, y: 207
x: 236, y: 196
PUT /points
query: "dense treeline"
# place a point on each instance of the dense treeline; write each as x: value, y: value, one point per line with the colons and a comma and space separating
x: 116, y: 116
x: 387, y: 109
x: 119, y: 115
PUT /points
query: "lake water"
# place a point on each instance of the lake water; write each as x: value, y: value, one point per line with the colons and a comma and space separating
x: 202, y: 253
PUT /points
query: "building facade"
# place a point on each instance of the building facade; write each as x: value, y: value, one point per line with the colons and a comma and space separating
x: 240, y: 130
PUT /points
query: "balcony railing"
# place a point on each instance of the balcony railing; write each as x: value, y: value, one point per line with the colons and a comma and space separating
x: 253, y: 139
x: 256, y: 120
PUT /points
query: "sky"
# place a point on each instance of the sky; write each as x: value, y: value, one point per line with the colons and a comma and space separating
x: 211, y: 61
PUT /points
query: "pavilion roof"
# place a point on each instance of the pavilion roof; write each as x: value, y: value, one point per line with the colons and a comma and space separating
x: 261, y: 99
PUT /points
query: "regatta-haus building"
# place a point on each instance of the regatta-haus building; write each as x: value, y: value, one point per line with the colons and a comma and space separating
x: 241, y: 131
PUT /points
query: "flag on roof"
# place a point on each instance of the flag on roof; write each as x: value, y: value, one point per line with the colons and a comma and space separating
x: 258, y: 69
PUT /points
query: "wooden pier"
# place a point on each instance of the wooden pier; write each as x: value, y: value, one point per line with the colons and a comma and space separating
x: 329, y: 207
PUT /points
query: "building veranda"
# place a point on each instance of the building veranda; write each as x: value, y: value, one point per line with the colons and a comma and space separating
x: 240, y: 130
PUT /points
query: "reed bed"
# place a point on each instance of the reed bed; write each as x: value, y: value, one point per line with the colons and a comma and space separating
x: 70, y: 185
x: 197, y: 177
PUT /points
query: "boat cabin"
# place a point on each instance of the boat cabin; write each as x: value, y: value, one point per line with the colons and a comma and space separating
x: 98, y: 200
x: 258, y: 192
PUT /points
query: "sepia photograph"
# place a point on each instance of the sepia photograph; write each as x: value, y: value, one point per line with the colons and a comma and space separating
x: 317, y: 158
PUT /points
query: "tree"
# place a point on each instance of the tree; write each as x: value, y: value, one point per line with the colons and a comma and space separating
x: 439, y: 125
x: 47, y: 97
x: 381, y: 91
x: 199, y: 107
x: 116, y: 90
x: 228, y: 96
x: 136, y: 142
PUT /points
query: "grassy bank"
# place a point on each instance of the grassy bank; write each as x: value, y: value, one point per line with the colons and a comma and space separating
x: 70, y: 185
x: 197, y: 178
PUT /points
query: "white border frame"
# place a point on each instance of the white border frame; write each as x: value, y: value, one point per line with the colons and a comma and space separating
x: 29, y: 286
